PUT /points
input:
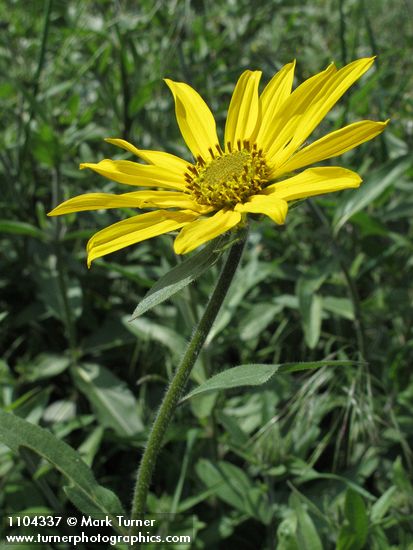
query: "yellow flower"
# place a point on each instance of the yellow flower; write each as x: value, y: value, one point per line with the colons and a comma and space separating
x: 251, y: 173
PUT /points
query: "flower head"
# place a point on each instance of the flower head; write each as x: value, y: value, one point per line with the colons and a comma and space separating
x: 251, y: 172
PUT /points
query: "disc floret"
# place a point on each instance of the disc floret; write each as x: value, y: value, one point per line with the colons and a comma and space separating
x: 227, y: 178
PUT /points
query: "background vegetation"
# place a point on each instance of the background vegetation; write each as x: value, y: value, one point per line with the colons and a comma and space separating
x: 306, y: 461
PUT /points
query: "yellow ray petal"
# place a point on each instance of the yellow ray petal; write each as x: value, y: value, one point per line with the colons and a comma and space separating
x: 274, y: 207
x: 195, y: 120
x: 159, y: 158
x: 314, y: 181
x: 333, y: 144
x: 201, y: 231
x: 328, y: 96
x: 136, y: 199
x: 295, y: 105
x: 96, y: 201
x: 134, y: 230
x: 275, y: 93
x: 169, y: 199
x: 132, y: 173
x: 244, y: 113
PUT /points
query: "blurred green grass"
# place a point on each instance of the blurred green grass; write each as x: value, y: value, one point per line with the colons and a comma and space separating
x: 76, y: 72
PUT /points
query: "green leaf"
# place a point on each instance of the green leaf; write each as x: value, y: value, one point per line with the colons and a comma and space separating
x: 339, y: 306
x: 147, y: 330
x: 380, y: 508
x: 307, y: 473
x: 379, y: 541
x: 257, y: 374
x: 311, y: 306
x: 112, y: 401
x: 87, y: 506
x: 369, y: 226
x: 16, y: 432
x: 233, y: 429
x: 50, y: 291
x: 371, y: 189
x: 45, y: 365
x: 21, y: 228
x: 401, y: 479
x: 203, y: 405
x: 180, y: 276
x: 353, y: 534
x: 233, y: 486
x: 257, y: 319
x: 91, y: 445
x: 307, y: 536
x: 287, y: 533
x: 59, y: 411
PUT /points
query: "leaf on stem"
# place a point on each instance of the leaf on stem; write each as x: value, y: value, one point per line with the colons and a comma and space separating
x: 258, y: 374
x: 180, y: 276
x: 84, y: 491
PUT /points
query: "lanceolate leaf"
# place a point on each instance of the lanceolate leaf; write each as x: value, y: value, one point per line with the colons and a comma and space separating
x: 15, y: 227
x: 180, y: 276
x: 257, y: 374
x: 382, y: 505
x: 353, y: 534
x: 91, y: 497
x: 311, y: 306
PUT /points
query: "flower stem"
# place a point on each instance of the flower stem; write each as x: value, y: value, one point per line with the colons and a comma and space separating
x: 178, y: 382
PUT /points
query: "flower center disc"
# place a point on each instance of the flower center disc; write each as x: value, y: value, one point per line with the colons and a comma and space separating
x: 228, y: 179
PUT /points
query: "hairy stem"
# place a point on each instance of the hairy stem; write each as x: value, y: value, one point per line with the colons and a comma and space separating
x: 178, y: 382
